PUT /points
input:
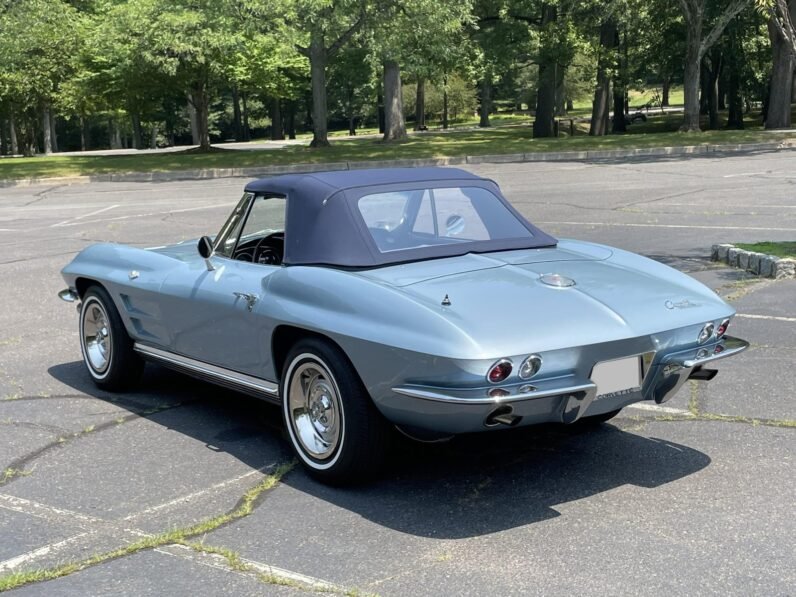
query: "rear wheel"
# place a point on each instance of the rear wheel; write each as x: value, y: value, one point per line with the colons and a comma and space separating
x: 332, y: 424
x: 107, y: 349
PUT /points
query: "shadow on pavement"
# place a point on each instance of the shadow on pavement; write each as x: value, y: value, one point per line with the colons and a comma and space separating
x: 474, y: 485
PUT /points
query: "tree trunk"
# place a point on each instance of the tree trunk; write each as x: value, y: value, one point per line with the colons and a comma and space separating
x: 153, y: 137
x: 547, y: 83
x: 445, y: 102
x: 380, y: 110
x: 237, y: 125
x: 570, y: 105
x: 291, y: 119
x: 420, y: 105
x: 135, y: 119
x: 691, y: 77
x: 486, y: 99
x: 793, y: 89
x: 666, y: 85
x: 277, y: 134
x: 619, y: 125
x: 394, y: 123
x: 318, y: 57
x: 599, y: 111
x: 47, y: 130
x: 352, y: 131
x: 545, y: 99
x: 735, y: 101
x: 778, y: 115
x: 3, y: 139
x: 713, y: 70
x: 722, y: 87
x: 200, y: 102
x: 704, y: 88
x: 246, y: 131
x: 54, y: 132
x: 195, y: 139
x: 12, y: 126
x: 82, y: 124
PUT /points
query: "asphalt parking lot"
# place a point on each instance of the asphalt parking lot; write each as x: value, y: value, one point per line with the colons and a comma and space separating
x: 184, y: 488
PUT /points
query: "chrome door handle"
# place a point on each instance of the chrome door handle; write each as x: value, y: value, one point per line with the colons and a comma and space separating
x: 249, y: 298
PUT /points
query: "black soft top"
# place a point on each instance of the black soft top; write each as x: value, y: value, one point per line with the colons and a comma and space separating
x: 324, y: 226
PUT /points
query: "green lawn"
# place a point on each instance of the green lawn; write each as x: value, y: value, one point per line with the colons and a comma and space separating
x: 510, y: 139
x: 780, y: 249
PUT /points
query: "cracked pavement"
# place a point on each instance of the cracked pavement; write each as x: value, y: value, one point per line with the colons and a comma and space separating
x: 181, y: 487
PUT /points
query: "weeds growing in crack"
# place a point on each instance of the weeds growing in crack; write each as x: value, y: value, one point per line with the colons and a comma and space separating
x: 244, y: 507
x: 12, y: 473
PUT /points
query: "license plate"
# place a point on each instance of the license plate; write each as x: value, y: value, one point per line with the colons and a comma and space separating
x: 617, y: 377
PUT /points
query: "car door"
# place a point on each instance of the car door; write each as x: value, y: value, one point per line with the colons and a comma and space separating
x: 220, y: 315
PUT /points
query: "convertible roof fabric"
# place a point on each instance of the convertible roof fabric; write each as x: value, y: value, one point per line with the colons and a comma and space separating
x: 324, y: 226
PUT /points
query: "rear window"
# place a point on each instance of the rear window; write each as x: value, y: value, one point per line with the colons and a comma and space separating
x: 400, y: 220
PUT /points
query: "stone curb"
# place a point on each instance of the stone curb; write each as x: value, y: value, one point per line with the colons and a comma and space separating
x: 760, y: 264
x: 258, y: 172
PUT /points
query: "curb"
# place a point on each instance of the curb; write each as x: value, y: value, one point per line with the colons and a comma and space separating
x: 760, y: 264
x: 259, y: 172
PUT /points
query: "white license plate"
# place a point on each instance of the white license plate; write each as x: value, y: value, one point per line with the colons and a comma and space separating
x: 617, y: 376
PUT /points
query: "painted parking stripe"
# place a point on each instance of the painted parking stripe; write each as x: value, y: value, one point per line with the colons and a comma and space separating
x: 197, y: 494
x: 218, y: 561
x: 661, y: 409
x: 72, y: 221
x: 685, y: 226
x: 31, y: 556
x: 767, y: 317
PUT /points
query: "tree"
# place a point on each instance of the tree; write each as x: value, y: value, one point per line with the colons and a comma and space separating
x: 324, y: 26
x: 697, y: 45
x: 38, y: 42
x: 783, y: 48
x: 416, y: 34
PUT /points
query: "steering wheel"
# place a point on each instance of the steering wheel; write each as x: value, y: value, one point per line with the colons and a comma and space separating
x: 268, y: 254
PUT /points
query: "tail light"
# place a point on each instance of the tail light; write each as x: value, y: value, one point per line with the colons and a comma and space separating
x: 722, y: 328
x: 499, y: 371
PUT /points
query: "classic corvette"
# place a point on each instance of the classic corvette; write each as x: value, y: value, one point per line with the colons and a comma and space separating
x: 416, y: 299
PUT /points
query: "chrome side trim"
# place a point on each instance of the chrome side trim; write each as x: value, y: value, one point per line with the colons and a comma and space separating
x: 439, y: 395
x: 214, y: 373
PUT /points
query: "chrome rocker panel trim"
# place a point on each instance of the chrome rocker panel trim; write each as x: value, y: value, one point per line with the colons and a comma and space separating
x: 255, y: 386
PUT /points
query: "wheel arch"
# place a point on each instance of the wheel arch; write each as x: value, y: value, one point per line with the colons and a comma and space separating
x: 285, y: 336
x: 82, y: 284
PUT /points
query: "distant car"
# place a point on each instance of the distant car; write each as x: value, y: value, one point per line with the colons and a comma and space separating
x: 412, y: 298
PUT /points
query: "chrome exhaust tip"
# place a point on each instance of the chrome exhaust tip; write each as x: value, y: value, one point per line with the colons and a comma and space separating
x: 502, y: 415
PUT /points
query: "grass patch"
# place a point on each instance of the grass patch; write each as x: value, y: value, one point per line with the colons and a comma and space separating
x: 181, y: 536
x: 506, y: 140
x: 780, y: 249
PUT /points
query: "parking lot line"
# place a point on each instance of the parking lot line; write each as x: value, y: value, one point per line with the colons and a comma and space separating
x: 769, y: 317
x: 24, y: 558
x: 686, y: 226
x: 660, y: 409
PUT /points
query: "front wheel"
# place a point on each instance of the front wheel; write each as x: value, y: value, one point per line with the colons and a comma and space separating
x: 107, y: 349
x: 333, y: 426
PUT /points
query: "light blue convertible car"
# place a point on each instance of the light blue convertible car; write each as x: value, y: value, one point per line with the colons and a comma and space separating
x: 418, y: 299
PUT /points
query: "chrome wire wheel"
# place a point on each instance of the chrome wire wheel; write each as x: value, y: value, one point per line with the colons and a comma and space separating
x: 96, y: 336
x: 314, y: 408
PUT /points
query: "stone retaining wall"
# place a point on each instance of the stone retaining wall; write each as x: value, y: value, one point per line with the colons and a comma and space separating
x: 761, y: 264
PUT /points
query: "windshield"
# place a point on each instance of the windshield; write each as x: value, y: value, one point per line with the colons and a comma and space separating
x: 411, y: 219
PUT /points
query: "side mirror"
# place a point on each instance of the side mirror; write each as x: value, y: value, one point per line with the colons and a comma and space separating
x: 205, y: 248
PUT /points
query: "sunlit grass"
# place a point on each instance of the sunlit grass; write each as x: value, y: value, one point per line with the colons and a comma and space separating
x: 780, y: 249
x: 433, y: 144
